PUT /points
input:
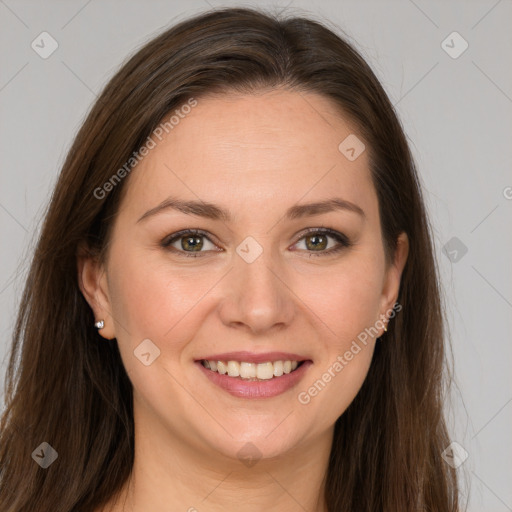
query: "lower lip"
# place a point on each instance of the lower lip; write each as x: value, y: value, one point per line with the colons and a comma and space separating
x: 256, y: 389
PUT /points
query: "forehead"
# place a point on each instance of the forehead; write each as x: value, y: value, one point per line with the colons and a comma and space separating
x: 245, y: 150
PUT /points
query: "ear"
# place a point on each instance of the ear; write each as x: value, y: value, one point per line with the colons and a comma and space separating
x: 93, y: 283
x: 393, y: 277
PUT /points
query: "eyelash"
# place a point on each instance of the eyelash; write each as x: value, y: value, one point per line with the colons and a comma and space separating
x: 342, y: 240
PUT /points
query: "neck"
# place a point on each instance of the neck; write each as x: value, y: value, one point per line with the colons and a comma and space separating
x: 170, y: 474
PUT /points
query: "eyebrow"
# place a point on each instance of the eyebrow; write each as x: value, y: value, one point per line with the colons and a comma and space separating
x: 215, y: 212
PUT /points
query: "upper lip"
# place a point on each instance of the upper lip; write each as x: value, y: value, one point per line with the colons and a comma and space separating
x: 251, y: 357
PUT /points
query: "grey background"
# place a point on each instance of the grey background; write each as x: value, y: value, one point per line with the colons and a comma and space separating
x: 456, y: 113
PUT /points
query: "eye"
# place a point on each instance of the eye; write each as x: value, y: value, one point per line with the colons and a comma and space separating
x: 189, y: 242
x: 317, y: 240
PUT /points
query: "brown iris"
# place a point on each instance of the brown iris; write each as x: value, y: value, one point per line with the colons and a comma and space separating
x: 196, y: 245
x: 316, y: 245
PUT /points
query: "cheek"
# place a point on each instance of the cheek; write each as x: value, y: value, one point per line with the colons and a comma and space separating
x: 152, y: 300
x: 346, y: 299
x: 350, y: 310
x: 347, y: 302
x: 147, y: 299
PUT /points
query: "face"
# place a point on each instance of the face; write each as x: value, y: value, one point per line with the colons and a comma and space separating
x: 269, y: 276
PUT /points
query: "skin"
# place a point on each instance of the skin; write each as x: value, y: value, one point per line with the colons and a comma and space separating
x: 254, y: 155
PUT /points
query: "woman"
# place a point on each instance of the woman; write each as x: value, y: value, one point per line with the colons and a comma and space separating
x: 234, y: 303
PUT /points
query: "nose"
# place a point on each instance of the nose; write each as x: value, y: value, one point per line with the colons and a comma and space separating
x: 257, y: 297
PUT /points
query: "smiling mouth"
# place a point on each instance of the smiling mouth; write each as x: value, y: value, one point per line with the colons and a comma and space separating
x: 245, y: 371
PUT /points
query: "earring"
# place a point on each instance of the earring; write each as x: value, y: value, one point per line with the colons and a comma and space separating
x: 385, y: 327
x: 100, y: 324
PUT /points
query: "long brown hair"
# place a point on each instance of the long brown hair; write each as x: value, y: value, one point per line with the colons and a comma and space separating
x: 66, y: 386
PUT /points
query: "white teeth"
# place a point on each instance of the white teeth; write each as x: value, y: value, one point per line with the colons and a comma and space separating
x: 278, y: 368
x: 248, y: 370
x: 233, y: 369
x: 265, y: 371
x: 252, y: 371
